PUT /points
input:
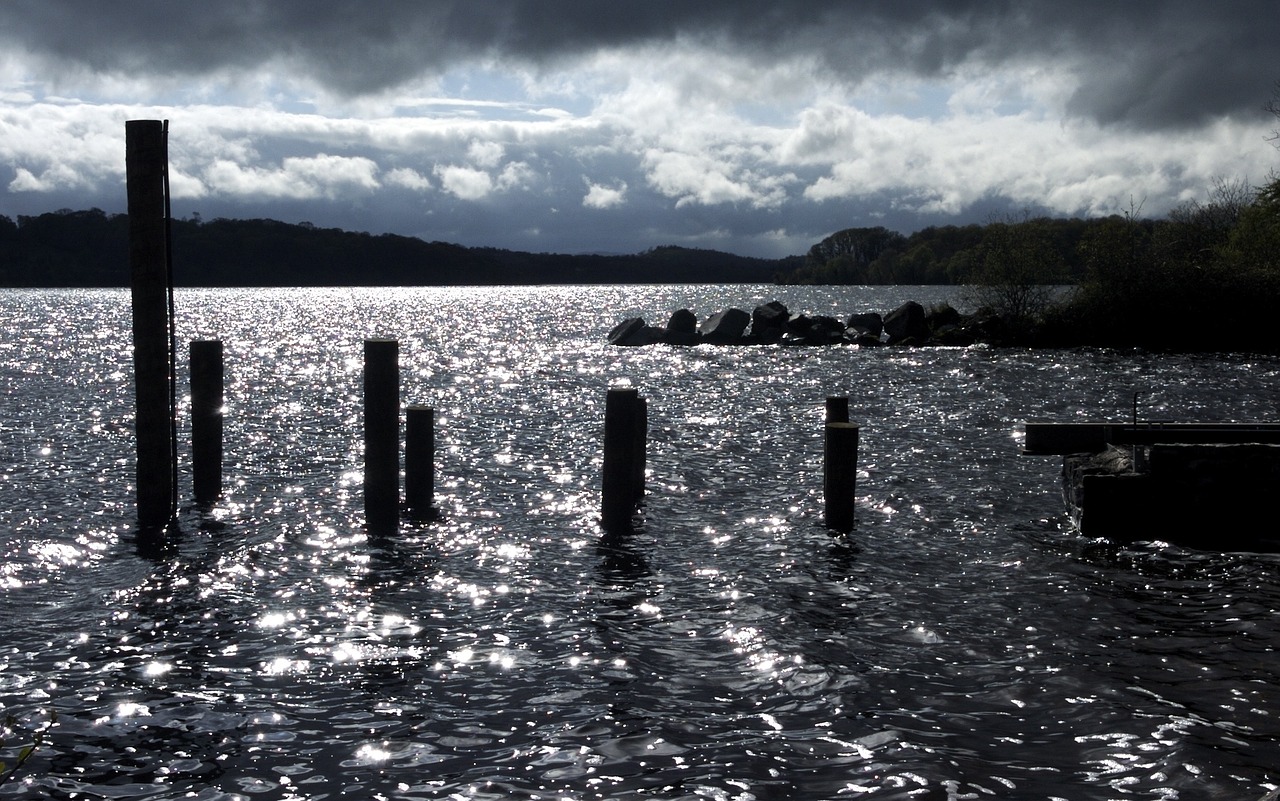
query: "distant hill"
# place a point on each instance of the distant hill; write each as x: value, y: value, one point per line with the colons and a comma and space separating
x: 90, y: 248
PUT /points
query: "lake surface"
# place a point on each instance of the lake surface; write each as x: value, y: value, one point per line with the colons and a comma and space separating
x: 962, y: 643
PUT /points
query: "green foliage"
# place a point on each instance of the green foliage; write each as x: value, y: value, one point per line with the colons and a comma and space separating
x: 1019, y: 262
x: 1207, y: 278
x: 947, y: 254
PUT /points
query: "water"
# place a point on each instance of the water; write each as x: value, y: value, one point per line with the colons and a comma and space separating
x: 962, y: 643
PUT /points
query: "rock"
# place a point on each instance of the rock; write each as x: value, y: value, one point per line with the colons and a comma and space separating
x: 682, y: 338
x: 633, y: 332
x: 942, y: 315
x: 726, y: 327
x: 767, y: 318
x: 951, y: 334
x: 868, y: 324
x: 905, y: 324
x: 649, y: 335
x: 772, y: 323
x: 828, y: 326
x: 817, y: 330
x: 683, y: 321
x: 626, y: 332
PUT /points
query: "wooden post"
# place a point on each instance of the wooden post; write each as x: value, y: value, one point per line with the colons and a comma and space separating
x: 623, y: 458
x: 381, y: 434
x: 840, y: 474
x: 145, y: 166
x: 837, y: 409
x: 206, y: 420
x: 640, y: 456
x: 419, y: 462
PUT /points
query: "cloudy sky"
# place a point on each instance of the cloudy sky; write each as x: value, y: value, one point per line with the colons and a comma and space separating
x: 592, y: 126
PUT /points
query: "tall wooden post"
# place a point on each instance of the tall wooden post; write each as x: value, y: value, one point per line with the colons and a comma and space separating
x: 840, y: 474
x: 622, y: 482
x: 382, y: 434
x: 206, y: 420
x: 641, y: 455
x: 145, y: 166
x: 419, y: 462
x: 838, y: 409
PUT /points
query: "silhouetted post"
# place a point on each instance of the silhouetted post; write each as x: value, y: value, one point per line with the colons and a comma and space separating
x: 623, y: 457
x: 145, y: 164
x: 419, y: 462
x: 381, y: 434
x: 206, y: 420
x: 840, y: 474
x: 837, y: 409
x: 640, y: 457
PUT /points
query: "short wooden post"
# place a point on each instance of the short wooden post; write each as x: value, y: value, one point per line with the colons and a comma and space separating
x: 206, y: 420
x: 419, y: 462
x: 623, y: 458
x: 145, y: 166
x: 381, y: 434
x: 840, y: 474
x: 837, y: 409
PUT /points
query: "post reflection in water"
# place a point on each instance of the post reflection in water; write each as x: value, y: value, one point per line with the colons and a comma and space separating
x: 962, y: 641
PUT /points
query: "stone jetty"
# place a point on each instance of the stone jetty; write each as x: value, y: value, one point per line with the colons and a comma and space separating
x: 774, y: 324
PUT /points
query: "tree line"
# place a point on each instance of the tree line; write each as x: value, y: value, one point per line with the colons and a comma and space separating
x: 67, y: 248
x: 1207, y: 276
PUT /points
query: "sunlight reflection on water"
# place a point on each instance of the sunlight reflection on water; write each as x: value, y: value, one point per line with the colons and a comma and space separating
x: 956, y: 644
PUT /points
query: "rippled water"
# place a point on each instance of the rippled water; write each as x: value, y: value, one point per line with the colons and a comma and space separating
x: 961, y: 643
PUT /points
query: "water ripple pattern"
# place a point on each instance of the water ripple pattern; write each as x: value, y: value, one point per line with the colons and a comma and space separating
x: 961, y: 643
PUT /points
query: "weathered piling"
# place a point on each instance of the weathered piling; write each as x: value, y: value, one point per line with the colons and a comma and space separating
x: 145, y: 166
x: 622, y: 482
x: 381, y: 434
x: 641, y: 455
x: 837, y: 409
x: 207, y: 374
x: 419, y: 462
x: 840, y: 474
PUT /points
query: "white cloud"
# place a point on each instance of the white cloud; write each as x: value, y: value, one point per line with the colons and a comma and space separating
x: 762, y: 151
x: 408, y: 178
x: 706, y: 180
x: 485, y: 154
x: 296, y: 178
x: 466, y: 183
x: 600, y: 196
x: 26, y: 181
x: 516, y: 175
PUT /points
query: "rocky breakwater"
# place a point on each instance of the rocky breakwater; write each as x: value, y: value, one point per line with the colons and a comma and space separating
x: 773, y: 324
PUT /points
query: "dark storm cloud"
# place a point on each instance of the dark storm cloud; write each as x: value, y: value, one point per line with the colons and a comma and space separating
x: 1143, y: 64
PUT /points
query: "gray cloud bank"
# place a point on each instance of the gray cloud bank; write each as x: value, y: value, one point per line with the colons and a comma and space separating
x: 1150, y: 65
x: 582, y: 125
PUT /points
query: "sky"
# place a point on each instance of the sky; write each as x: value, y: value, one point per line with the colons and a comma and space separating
x: 577, y: 126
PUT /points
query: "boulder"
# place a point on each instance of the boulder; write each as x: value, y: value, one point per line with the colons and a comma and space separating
x: 726, y: 327
x: 769, y: 336
x: 864, y: 340
x: 767, y: 318
x: 684, y: 338
x: 906, y: 324
x: 633, y: 332
x: 941, y: 315
x: 867, y: 324
x: 817, y: 330
x: 951, y: 334
x: 627, y: 332
x: 683, y: 321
